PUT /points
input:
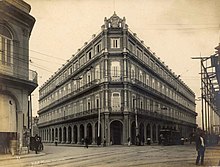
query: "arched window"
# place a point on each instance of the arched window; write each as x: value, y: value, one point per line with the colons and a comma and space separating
x: 97, y: 72
x: 6, y: 48
x: 116, y: 101
x: 88, y: 77
x: 88, y: 104
x: 141, y: 76
x: 132, y: 72
x: 115, y: 70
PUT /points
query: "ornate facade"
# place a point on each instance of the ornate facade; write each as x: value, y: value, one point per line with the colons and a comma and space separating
x: 115, y: 88
x: 16, y: 80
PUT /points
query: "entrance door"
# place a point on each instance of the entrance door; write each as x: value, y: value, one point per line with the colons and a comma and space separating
x: 116, y: 130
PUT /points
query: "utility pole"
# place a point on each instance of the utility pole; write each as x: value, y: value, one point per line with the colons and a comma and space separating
x: 208, y: 79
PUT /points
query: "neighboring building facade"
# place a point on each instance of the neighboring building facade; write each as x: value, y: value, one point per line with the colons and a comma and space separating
x: 114, y: 88
x: 35, y: 130
x: 16, y: 80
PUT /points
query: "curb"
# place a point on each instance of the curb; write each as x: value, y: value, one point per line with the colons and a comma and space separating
x: 22, y: 156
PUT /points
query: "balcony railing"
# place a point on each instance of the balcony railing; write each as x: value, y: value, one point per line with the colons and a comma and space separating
x: 23, y: 74
x: 70, y: 117
x: 157, y: 115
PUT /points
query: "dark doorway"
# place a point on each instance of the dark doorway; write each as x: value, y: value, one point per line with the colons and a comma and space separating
x: 81, y: 132
x: 60, y: 134
x: 133, y: 133
x: 89, y: 133
x: 148, y: 131
x: 141, y: 132
x: 75, y: 134
x: 116, y: 131
x: 69, y: 134
x: 64, y: 135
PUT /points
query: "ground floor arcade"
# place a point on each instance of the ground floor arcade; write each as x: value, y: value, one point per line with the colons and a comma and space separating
x: 114, y: 129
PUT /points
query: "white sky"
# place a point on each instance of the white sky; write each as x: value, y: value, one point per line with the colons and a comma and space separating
x: 175, y: 30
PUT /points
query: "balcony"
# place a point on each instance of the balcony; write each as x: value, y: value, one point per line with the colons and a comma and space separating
x: 23, y: 77
x: 66, y: 118
x: 71, y: 95
x: 163, y: 117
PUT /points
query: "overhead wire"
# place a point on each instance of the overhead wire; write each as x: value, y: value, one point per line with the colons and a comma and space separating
x: 16, y: 46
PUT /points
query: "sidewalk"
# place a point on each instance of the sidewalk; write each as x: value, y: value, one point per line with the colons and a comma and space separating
x: 4, y: 157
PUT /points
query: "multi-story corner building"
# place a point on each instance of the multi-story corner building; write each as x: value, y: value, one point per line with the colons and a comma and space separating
x: 115, y: 88
x: 16, y: 80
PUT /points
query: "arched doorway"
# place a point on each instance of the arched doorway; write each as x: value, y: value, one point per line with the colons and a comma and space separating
x: 133, y: 133
x: 148, y: 131
x: 116, y: 132
x: 154, y: 133
x: 159, y: 128
x: 52, y: 135
x: 64, y: 135
x: 81, y: 132
x: 60, y: 134
x: 56, y: 133
x: 89, y: 133
x: 69, y: 134
x: 141, y: 132
x: 75, y: 134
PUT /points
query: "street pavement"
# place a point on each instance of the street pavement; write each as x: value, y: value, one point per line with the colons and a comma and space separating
x: 112, y: 156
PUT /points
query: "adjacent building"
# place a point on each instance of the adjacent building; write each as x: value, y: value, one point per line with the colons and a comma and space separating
x: 17, y: 82
x: 114, y: 88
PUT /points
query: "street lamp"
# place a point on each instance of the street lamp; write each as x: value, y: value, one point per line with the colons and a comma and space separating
x: 136, y: 118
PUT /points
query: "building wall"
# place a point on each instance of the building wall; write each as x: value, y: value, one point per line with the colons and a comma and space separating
x: 134, y: 90
x: 16, y: 83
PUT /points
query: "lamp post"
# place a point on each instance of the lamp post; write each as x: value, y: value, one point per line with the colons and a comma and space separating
x: 136, y: 119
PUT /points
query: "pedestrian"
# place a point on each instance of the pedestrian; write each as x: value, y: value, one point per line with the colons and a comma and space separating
x: 86, y: 142
x: 104, y: 142
x: 36, y: 143
x: 129, y: 141
x: 200, y: 148
x: 55, y: 141
x: 160, y: 139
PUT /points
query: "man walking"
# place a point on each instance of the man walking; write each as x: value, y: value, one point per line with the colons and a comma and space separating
x: 200, y: 148
x: 36, y: 143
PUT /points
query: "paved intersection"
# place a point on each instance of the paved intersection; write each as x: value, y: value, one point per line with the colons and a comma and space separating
x: 114, y: 156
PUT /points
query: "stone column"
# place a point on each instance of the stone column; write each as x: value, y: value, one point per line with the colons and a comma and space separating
x: 125, y: 129
x: 102, y: 128
x: 106, y: 97
x: 145, y: 132
x: 151, y: 132
x: 107, y: 129
x: 67, y: 135
x: 93, y: 133
x: 58, y: 134
x: 125, y: 75
x: 156, y: 132
x: 62, y: 141
x: 51, y: 134
x: 85, y: 130
x: 125, y: 98
x: 72, y: 137
x: 78, y: 134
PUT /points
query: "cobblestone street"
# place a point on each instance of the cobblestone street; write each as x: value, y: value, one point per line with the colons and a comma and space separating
x: 113, y: 156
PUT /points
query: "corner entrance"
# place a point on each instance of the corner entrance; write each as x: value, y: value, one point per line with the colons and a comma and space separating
x: 116, y: 132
